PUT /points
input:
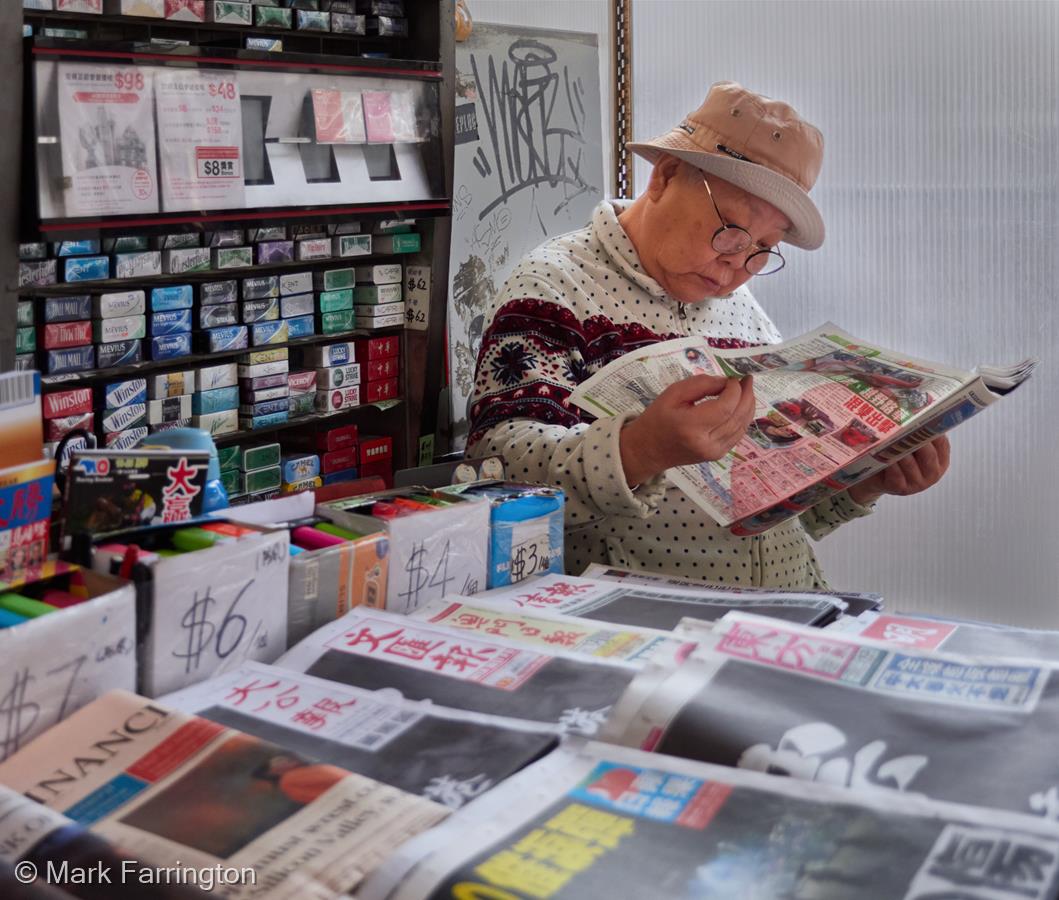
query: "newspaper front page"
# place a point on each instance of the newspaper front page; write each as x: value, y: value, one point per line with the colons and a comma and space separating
x: 205, y: 803
x: 831, y: 411
x: 841, y: 709
x: 446, y: 755
x: 594, y: 821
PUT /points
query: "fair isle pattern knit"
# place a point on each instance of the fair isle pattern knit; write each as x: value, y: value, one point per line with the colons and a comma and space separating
x: 571, y: 306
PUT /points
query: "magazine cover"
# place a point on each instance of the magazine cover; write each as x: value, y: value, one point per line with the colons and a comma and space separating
x: 380, y: 651
x: 176, y: 790
x: 841, y: 709
x: 597, y: 821
x: 106, y: 129
x: 200, y: 127
x: 444, y: 755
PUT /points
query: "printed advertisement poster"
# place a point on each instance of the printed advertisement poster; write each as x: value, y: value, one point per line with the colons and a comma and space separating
x: 200, y: 127
x: 107, y: 136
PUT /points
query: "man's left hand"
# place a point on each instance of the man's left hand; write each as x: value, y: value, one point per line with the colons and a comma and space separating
x: 915, y: 473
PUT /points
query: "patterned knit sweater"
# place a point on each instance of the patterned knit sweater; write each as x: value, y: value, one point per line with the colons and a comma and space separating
x: 571, y: 306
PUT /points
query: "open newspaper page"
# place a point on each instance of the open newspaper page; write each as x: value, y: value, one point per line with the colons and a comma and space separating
x: 166, y: 787
x: 656, y: 606
x: 595, y: 820
x: 846, y: 710
x: 574, y: 635
x: 856, y: 602
x: 952, y: 635
x: 445, y: 755
x: 380, y: 651
x: 831, y: 410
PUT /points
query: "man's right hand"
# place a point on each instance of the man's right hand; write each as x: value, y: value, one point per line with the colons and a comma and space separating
x: 678, y: 430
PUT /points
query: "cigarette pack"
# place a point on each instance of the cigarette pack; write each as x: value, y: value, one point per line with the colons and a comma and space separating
x: 264, y: 383
x: 272, y: 17
x: 170, y: 425
x: 264, y: 408
x: 232, y: 237
x: 119, y: 353
x: 266, y: 310
x: 300, y: 466
x: 67, y: 309
x: 134, y: 415
x: 76, y: 248
x: 261, y: 369
x: 26, y: 339
x: 229, y: 12
x: 381, y: 369
x: 24, y: 314
x: 377, y: 391
x: 58, y: 404
x: 171, y: 346
x: 138, y: 265
x: 125, y: 440
x: 339, y: 398
x: 123, y: 328
x: 264, y: 457
x: 379, y: 310
x: 231, y: 337
x: 337, y: 438
x: 123, y: 303
x: 188, y: 259
x: 337, y: 376
x: 175, y: 322
x: 336, y: 322
x: 133, y: 243
x: 223, y: 422
x: 300, y: 382
x: 185, y: 10
x: 372, y: 323
x: 171, y: 384
x: 266, y: 45
x: 341, y: 354
x: 229, y: 456
x: 33, y: 251
x: 306, y: 484
x: 217, y: 400
x: 86, y: 268
x: 375, y: 450
x: 261, y: 287
x: 378, y: 294
x: 335, y: 279
x: 296, y: 305
x: 387, y: 273
x: 212, y: 377
x: 296, y: 283
x: 57, y: 429
x: 175, y: 296
x: 259, y: 480
x: 300, y: 326
x: 398, y: 243
x: 232, y: 479
x: 275, y: 252
x: 378, y: 348
x: 351, y: 245
x: 233, y: 257
x: 334, y: 301
x: 272, y: 354
x: 263, y: 395
x: 336, y: 460
x: 269, y: 333
x: 76, y: 359
x: 388, y: 26
x: 64, y: 334
x: 218, y: 316
x: 302, y: 404
x: 253, y: 424
x: 170, y: 409
x: 213, y: 292
x: 180, y: 241
x: 310, y: 20
x: 38, y: 274
x: 314, y: 248
x: 122, y: 393
x: 348, y: 23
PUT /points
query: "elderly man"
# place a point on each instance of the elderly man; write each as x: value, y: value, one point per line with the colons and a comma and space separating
x: 729, y: 185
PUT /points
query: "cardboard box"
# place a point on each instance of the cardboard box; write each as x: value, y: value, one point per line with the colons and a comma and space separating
x: 329, y: 401
x: 171, y: 384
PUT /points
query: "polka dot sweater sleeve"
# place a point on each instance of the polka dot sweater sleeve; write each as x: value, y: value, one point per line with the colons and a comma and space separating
x: 820, y: 520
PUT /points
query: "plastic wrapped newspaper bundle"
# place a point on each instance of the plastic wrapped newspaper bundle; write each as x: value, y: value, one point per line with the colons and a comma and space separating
x: 952, y: 635
x: 445, y: 755
x: 657, y: 606
x: 595, y: 822
x: 855, y: 602
x: 380, y: 651
x: 832, y: 410
x: 204, y: 804
x: 761, y: 694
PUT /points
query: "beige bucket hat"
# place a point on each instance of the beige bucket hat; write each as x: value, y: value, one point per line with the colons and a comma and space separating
x: 758, y: 144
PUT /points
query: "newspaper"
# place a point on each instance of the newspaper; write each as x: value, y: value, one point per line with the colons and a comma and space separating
x: 779, y: 698
x: 953, y: 635
x: 182, y: 793
x: 656, y: 606
x: 595, y: 821
x: 580, y: 637
x: 381, y: 651
x: 832, y: 410
x: 855, y: 602
x: 445, y: 755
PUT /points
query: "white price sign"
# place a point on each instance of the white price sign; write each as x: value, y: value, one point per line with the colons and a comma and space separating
x: 417, y: 297
x: 218, y: 162
x: 531, y: 548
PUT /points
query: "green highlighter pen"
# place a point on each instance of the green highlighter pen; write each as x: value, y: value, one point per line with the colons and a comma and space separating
x: 25, y: 606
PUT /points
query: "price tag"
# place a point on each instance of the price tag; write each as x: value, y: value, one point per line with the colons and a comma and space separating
x: 417, y: 297
x: 218, y: 162
x: 531, y: 549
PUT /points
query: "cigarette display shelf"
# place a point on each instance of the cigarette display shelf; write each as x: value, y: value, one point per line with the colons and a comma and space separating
x: 307, y: 421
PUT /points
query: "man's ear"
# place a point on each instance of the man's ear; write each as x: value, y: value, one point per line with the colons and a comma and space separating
x: 666, y: 171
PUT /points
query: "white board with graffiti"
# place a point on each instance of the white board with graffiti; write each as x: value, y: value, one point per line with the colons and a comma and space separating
x: 529, y: 166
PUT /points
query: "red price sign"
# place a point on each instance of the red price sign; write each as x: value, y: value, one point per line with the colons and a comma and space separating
x: 225, y: 89
x: 129, y: 81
